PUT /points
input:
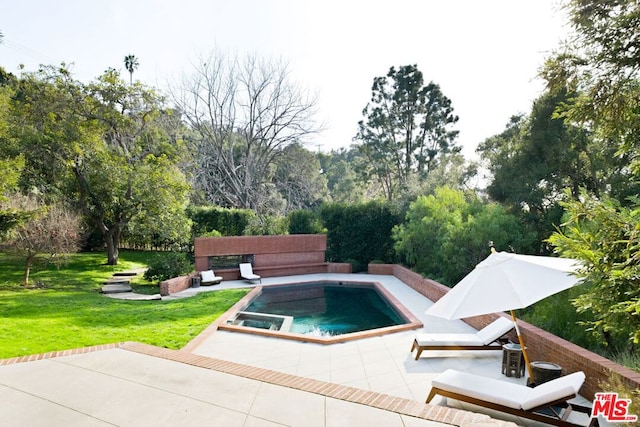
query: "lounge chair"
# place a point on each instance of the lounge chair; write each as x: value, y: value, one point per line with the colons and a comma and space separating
x: 485, y: 339
x: 546, y: 403
x: 208, y: 277
x: 246, y: 272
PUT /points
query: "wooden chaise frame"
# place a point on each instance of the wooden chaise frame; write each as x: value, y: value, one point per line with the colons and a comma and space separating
x: 550, y: 416
x: 495, y: 345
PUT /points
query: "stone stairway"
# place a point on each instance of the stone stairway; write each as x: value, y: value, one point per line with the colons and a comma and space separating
x: 119, y: 287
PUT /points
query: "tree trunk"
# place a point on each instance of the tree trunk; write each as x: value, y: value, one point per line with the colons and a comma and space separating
x: 27, y: 269
x: 112, y: 242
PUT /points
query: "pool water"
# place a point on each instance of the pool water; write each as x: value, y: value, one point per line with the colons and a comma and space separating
x: 327, y: 309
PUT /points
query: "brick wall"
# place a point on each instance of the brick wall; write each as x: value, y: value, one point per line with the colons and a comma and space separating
x: 272, y: 255
x: 541, y: 345
x: 175, y: 284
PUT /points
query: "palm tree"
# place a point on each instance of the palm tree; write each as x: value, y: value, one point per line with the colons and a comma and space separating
x: 131, y: 64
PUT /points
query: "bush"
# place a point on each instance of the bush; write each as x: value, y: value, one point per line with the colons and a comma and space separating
x: 362, y: 231
x: 356, y: 266
x: 304, y: 222
x: 168, y: 265
x: 229, y: 222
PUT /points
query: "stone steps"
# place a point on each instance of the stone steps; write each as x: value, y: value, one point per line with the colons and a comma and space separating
x: 119, y: 287
x: 116, y: 288
x: 132, y: 296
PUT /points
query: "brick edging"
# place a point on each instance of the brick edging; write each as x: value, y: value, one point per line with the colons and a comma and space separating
x: 52, y: 354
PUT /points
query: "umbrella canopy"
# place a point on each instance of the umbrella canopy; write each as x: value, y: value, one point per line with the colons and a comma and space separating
x: 506, y: 281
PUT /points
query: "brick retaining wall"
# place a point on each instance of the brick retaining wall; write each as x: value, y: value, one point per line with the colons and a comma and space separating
x: 541, y: 345
x: 272, y: 255
x: 175, y: 284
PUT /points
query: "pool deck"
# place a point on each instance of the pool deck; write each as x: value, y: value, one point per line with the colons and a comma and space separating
x: 237, y: 379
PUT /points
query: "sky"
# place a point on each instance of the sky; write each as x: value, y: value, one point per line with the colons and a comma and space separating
x: 485, y: 55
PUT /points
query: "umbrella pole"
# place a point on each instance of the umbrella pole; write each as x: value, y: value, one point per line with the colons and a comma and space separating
x: 524, y: 349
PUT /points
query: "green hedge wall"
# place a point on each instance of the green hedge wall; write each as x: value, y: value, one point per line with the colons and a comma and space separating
x: 360, y: 232
x: 228, y: 222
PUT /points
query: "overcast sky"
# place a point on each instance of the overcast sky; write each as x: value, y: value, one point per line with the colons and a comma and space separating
x: 483, y: 54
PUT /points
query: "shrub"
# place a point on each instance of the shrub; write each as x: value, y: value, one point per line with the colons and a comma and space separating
x: 229, y: 222
x: 168, y: 265
x: 303, y: 222
x: 361, y: 231
x: 356, y: 266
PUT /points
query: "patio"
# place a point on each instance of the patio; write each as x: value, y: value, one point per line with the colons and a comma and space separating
x: 382, y: 364
x: 231, y: 378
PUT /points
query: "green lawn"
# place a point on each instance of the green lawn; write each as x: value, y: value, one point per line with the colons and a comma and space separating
x: 64, y: 308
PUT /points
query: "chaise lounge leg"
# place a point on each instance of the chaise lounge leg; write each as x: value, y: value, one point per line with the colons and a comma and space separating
x: 432, y: 394
x: 415, y: 346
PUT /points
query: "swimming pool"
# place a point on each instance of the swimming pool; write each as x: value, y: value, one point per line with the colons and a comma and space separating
x: 322, y: 312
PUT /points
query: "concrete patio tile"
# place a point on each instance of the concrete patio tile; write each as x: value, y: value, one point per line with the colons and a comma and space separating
x: 218, y: 388
x: 402, y: 391
x: 290, y: 407
x: 346, y: 349
x: 315, y: 367
x: 103, y: 397
x: 350, y: 364
x: 386, y: 382
x: 419, y: 391
x: 259, y: 422
x: 383, y: 366
x: 24, y: 409
x: 348, y: 373
x: 371, y: 344
x: 320, y: 376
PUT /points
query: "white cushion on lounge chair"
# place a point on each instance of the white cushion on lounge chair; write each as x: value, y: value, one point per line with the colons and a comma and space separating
x: 495, y: 330
x: 485, y: 336
x: 501, y: 392
x: 553, y: 390
x: 508, y: 394
x: 246, y: 272
x: 209, y: 276
x: 448, y: 339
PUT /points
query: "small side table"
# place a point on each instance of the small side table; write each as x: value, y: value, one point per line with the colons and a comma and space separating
x: 512, y: 360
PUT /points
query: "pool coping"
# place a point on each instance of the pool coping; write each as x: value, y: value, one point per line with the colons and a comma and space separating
x: 411, y: 321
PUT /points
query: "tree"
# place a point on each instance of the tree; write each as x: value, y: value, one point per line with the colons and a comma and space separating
x: 446, y: 234
x: 298, y: 178
x: 50, y: 230
x: 342, y: 179
x: 110, y: 147
x: 134, y: 171
x: 600, y: 63
x: 242, y: 114
x: 407, y: 127
x: 602, y: 234
x: 131, y: 63
x: 538, y: 156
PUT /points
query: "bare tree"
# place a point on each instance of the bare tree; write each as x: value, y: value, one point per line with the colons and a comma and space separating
x: 51, y: 231
x: 242, y: 114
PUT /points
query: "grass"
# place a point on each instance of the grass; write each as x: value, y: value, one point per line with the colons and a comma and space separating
x: 64, y: 308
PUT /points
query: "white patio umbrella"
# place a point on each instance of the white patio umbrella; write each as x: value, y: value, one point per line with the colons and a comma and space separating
x: 506, y: 282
